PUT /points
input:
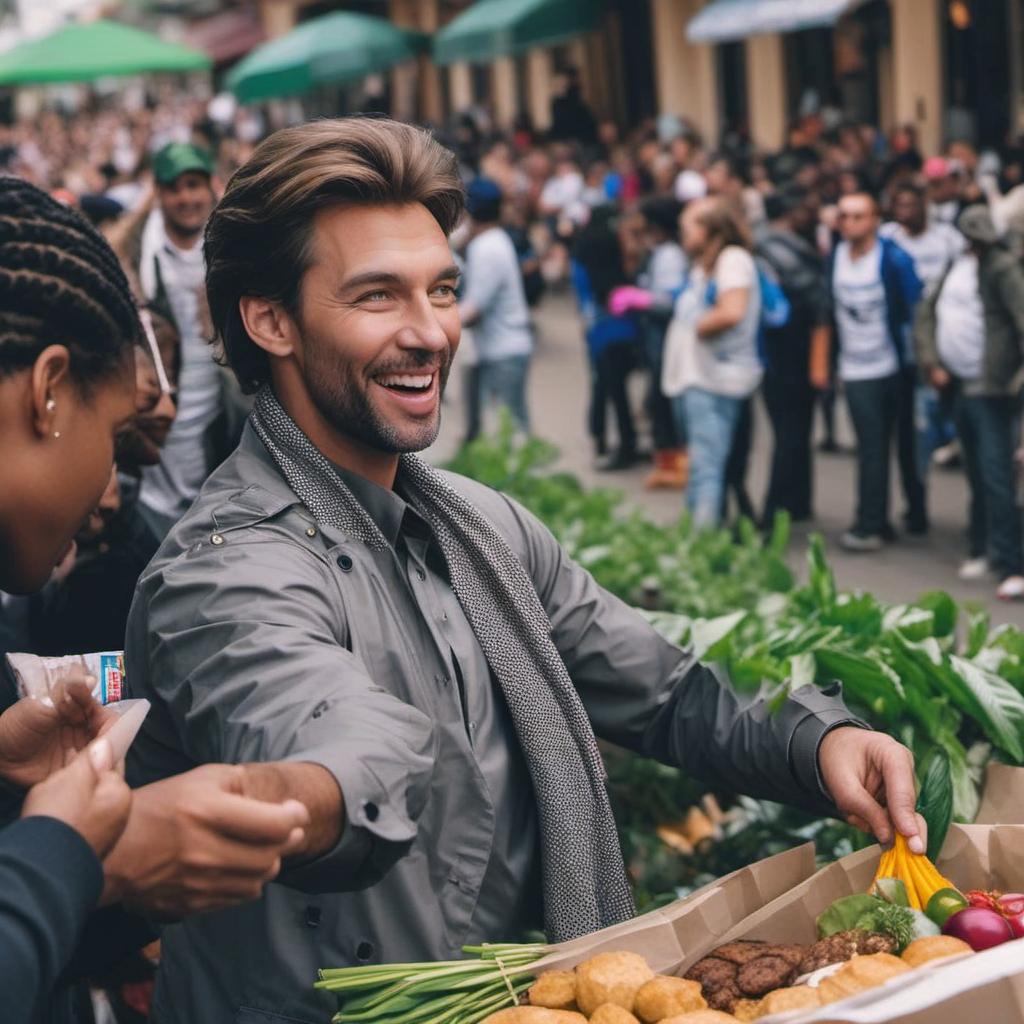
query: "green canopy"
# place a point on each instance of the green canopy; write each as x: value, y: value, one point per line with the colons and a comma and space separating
x: 339, y: 47
x: 81, y: 53
x: 497, y: 28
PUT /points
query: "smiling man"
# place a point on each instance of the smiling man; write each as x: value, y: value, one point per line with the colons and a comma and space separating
x: 409, y: 653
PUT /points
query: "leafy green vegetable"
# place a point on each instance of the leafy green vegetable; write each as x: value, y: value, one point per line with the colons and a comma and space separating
x: 935, y: 802
x: 936, y: 676
x: 846, y: 913
x: 892, y: 890
x: 896, y: 922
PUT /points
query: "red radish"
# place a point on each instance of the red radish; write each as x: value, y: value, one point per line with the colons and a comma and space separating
x: 1011, y: 904
x: 978, y: 927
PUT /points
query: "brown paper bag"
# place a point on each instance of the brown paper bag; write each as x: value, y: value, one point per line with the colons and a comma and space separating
x: 1002, y: 799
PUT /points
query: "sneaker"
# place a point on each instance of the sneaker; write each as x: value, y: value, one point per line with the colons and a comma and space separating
x: 973, y: 569
x: 948, y: 456
x: 861, y: 542
x: 1011, y: 589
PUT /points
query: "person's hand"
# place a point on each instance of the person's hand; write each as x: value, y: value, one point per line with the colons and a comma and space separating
x: 195, y: 843
x: 871, y: 779
x: 940, y: 378
x: 820, y: 378
x: 37, y: 740
x: 88, y: 795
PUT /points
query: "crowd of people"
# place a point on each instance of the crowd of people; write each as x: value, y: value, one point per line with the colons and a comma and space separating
x: 848, y: 265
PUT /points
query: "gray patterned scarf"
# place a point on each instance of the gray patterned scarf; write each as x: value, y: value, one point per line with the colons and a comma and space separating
x: 585, y: 885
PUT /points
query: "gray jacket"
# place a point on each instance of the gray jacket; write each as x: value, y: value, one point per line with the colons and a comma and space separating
x: 1001, y: 284
x: 260, y: 635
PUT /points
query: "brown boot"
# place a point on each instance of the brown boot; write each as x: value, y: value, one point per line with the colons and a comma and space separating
x: 670, y: 470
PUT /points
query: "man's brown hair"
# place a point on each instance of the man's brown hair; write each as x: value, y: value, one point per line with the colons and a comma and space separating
x: 258, y: 238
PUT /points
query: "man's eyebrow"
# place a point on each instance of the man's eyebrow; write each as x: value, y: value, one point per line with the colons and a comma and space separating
x: 389, y: 277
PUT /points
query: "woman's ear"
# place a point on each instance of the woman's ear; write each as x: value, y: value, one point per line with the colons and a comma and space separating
x: 50, y: 396
x: 268, y: 325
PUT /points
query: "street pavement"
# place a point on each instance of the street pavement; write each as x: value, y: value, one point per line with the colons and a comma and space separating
x: 558, y: 391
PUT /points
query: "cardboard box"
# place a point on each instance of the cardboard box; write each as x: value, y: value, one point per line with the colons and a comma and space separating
x: 990, y: 984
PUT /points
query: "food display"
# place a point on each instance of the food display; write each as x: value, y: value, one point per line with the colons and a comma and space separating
x: 902, y: 917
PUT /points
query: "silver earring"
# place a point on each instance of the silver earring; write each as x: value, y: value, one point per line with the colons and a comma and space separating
x: 51, y: 405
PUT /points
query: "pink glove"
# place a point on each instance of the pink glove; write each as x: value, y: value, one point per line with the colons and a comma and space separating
x: 626, y: 298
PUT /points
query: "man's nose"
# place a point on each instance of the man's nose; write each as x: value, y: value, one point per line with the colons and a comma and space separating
x: 423, y: 329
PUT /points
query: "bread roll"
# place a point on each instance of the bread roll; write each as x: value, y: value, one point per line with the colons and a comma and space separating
x: 610, y: 978
x: 663, y: 997
x: 612, y: 1014
x: 534, y: 1015
x: 782, y: 1000
x: 554, y: 989
x: 702, y: 1017
x: 933, y: 947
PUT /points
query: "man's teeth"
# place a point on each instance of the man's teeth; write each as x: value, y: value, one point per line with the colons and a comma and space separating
x: 407, y: 380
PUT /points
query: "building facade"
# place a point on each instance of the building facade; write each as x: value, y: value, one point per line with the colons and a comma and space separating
x: 948, y: 68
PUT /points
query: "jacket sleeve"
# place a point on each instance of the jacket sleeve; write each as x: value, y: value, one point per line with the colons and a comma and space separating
x: 241, y: 651
x: 1010, y: 283
x: 655, y: 698
x: 50, y: 880
x: 925, y: 325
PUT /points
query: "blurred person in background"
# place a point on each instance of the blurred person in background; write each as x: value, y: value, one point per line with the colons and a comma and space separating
x: 796, y: 355
x: 611, y: 337
x: 493, y: 304
x: 933, y: 248
x: 171, y: 264
x: 571, y: 118
x: 969, y: 337
x: 875, y: 291
x: 711, y: 364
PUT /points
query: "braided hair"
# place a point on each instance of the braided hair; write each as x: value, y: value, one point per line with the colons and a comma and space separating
x: 60, y: 283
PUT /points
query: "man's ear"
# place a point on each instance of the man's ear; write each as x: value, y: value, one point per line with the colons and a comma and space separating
x: 268, y: 324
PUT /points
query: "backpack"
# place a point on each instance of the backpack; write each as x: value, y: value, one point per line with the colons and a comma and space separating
x: 775, y: 307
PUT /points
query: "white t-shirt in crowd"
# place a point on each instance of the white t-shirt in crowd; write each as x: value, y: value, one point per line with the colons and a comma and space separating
x: 494, y: 288
x: 932, y: 251
x: 866, y: 351
x: 562, y: 191
x: 960, y: 320
x: 666, y: 269
x: 728, y: 364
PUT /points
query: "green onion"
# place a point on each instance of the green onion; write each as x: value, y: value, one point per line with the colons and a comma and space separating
x: 448, y: 992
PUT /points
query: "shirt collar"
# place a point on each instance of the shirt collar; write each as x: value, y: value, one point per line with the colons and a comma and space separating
x: 387, y: 508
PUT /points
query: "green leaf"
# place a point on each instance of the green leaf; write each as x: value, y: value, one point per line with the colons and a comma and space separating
x: 822, y: 582
x: 868, y: 680
x: 1002, y: 707
x: 706, y: 635
x: 935, y: 802
x: 977, y: 630
x: 944, y: 610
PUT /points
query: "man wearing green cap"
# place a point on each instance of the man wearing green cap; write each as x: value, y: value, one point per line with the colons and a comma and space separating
x: 172, y: 262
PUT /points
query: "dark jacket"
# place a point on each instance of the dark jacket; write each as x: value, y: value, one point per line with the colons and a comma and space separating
x: 1001, y: 284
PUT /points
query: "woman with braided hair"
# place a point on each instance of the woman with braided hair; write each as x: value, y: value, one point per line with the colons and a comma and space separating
x: 68, y: 327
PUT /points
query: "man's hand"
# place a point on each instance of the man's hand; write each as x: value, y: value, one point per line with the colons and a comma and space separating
x: 195, y: 843
x: 940, y: 378
x: 37, y: 740
x: 88, y: 795
x: 871, y: 779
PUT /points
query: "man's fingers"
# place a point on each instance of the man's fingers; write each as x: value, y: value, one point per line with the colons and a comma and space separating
x: 255, y: 821
x: 858, y: 803
x: 901, y: 795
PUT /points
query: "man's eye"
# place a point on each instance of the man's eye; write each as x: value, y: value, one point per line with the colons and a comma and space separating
x: 446, y: 291
x: 377, y: 296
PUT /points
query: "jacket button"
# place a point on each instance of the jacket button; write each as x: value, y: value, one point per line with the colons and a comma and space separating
x: 364, y: 951
x: 216, y: 539
x: 313, y: 915
x: 344, y: 563
x: 310, y: 531
x: 371, y: 810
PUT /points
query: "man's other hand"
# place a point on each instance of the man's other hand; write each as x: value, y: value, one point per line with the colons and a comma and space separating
x: 871, y: 779
x: 195, y: 843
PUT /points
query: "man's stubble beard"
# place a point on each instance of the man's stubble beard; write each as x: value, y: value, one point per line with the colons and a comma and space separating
x: 343, y: 400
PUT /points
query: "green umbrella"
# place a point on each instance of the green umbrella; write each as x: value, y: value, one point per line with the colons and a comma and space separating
x: 80, y: 53
x: 339, y: 47
x: 498, y: 28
